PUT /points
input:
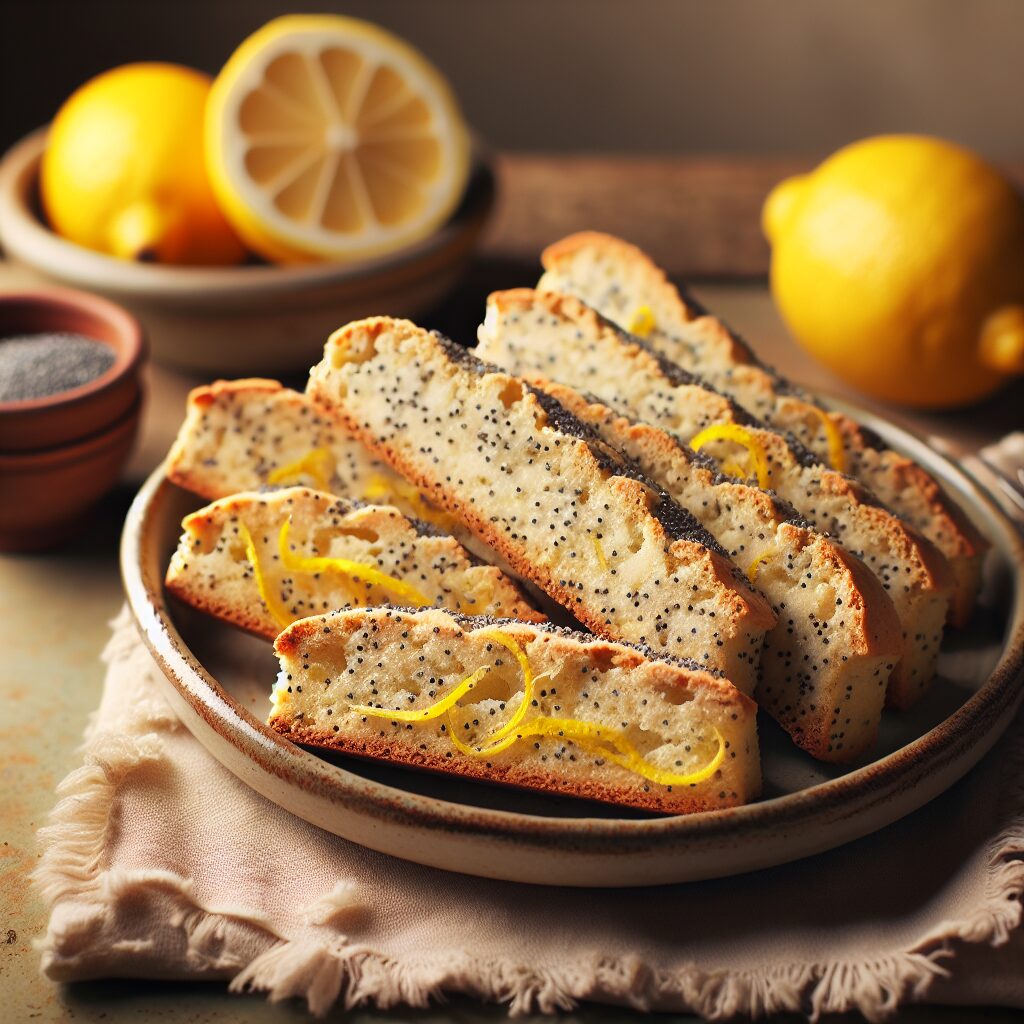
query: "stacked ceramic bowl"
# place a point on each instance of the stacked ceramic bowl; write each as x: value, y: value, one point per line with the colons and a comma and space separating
x: 70, y: 399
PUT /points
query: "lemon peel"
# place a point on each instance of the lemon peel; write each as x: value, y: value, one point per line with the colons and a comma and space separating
x: 318, y: 464
x: 834, y: 439
x: 379, y: 488
x: 741, y: 436
x: 276, y: 609
x: 754, y: 569
x: 601, y: 559
x: 436, y: 710
x: 357, y: 570
x: 641, y: 322
x: 587, y: 734
x: 594, y: 739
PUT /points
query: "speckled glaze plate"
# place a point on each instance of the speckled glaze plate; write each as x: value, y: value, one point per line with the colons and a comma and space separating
x: 218, y: 681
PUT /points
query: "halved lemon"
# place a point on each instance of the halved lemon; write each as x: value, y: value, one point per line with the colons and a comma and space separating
x: 329, y: 138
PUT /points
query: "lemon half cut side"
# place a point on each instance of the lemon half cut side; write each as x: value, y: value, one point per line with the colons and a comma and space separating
x: 329, y: 138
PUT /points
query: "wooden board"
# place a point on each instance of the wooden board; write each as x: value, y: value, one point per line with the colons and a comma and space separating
x: 699, y: 217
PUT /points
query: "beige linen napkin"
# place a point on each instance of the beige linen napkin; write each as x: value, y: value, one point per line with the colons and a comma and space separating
x: 159, y: 863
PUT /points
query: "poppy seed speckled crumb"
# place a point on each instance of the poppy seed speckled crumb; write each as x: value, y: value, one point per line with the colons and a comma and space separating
x: 564, y: 509
x: 530, y: 331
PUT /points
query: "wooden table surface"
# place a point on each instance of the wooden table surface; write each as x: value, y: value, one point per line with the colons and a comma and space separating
x: 698, y: 216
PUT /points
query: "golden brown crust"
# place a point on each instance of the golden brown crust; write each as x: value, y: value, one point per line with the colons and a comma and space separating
x: 511, y: 774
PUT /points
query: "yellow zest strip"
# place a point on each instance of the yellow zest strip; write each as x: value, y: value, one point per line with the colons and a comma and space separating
x: 741, y: 436
x: 834, y: 437
x: 602, y: 561
x: 590, y: 736
x: 277, y: 611
x: 317, y: 464
x: 755, y: 565
x: 594, y: 739
x: 501, y: 637
x: 642, y: 322
x: 435, y: 710
x: 357, y: 570
x: 379, y: 487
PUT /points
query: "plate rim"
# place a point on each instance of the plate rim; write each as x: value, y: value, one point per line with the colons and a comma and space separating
x: 953, y: 742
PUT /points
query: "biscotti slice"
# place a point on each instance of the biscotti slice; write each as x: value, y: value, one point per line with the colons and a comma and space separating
x: 261, y: 561
x: 534, y: 706
x: 540, y: 488
x: 825, y: 664
x: 625, y: 285
x: 241, y: 435
x: 558, y: 336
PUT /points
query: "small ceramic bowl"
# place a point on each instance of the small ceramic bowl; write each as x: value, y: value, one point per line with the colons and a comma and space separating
x: 53, y: 420
x: 45, y: 495
x: 59, y: 454
x: 245, y: 320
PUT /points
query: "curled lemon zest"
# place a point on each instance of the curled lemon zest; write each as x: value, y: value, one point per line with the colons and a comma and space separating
x: 611, y: 744
x: 755, y: 566
x: 379, y: 488
x: 592, y: 737
x: 278, y: 612
x: 436, y: 710
x: 376, y: 488
x: 602, y: 561
x: 317, y: 464
x: 529, y: 682
x: 741, y: 436
x: 357, y: 570
x: 641, y: 322
x: 834, y: 438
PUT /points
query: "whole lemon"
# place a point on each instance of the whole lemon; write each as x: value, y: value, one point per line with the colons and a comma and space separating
x: 124, y: 170
x: 899, y: 264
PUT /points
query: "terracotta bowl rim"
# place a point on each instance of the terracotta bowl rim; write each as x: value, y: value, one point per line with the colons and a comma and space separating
x: 128, y: 350
x: 14, y: 462
x: 31, y: 241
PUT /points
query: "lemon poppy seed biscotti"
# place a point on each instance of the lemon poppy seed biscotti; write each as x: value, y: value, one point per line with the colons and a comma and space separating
x: 529, y: 331
x: 241, y: 435
x: 624, y: 284
x: 544, y: 492
x: 262, y: 560
x: 826, y: 662
x: 529, y: 705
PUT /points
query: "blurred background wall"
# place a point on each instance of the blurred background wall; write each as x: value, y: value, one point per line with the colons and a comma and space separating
x: 657, y: 76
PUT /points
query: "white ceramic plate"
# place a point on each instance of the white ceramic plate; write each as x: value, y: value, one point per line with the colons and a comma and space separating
x: 218, y: 681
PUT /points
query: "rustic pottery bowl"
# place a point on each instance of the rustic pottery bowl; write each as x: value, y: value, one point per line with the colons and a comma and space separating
x: 59, y: 454
x: 248, y: 319
x: 38, y: 423
x: 45, y: 495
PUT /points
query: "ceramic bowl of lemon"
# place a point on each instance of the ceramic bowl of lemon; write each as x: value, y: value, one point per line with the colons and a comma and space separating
x: 324, y: 175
